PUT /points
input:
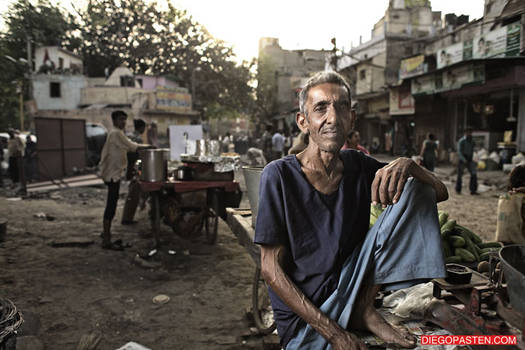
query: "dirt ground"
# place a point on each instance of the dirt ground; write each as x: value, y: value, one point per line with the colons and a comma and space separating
x: 66, y: 292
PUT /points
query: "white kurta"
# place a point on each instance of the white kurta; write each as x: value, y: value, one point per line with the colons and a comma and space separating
x: 114, y: 158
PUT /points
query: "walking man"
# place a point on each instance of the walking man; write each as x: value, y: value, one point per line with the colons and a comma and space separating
x: 465, y: 155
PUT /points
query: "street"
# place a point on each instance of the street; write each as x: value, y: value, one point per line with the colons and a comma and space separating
x: 74, y: 291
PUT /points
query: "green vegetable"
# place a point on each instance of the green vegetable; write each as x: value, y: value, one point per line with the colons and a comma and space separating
x: 443, y: 217
x: 452, y: 259
x: 375, y: 212
x: 485, y: 250
x: 465, y: 255
x: 447, y: 228
x: 456, y: 241
x: 485, y: 256
x: 490, y: 245
x: 474, y: 237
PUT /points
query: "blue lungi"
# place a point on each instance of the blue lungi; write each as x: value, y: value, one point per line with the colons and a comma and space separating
x: 402, y: 249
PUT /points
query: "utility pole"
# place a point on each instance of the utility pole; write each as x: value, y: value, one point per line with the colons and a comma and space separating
x: 29, y: 67
x: 20, y: 90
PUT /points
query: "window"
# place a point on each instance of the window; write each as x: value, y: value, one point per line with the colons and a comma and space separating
x: 60, y: 63
x: 139, y: 80
x: 54, y: 90
x: 127, y: 80
x: 362, y: 74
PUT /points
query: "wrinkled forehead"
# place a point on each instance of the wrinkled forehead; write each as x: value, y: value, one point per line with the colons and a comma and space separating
x: 327, y: 92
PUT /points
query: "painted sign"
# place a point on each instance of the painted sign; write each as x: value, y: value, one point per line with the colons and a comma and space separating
x: 450, y: 55
x: 412, y: 66
x: 173, y: 100
x: 450, y: 79
x: 501, y: 42
x: 401, y: 102
x: 491, y: 44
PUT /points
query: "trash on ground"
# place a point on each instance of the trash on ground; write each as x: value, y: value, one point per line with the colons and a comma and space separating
x: 133, y: 346
x: 161, y: 299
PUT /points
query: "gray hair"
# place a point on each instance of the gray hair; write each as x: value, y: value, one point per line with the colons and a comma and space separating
x: 322, y: 78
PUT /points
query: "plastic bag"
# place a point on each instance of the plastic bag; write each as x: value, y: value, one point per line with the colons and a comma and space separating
x: 509, y: 225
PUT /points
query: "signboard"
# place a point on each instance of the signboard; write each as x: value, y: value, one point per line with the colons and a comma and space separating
x: 401, y: 102
x: 178, y: 136
x: 422, y: 85
x: 412, y: 66
x: 450, y: 79
x: 491, y: 44
x: 450, y: 55
x: 173, y: 100
x: 501, y: 42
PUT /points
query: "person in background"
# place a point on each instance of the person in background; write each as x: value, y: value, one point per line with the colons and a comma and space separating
x: 277, y: 145
x: 30, y: 158
x: 153, y: 135
x: 134, y: 192
x: 113, y: 163
x: 465, y: 155
x: 266, y: 142
x: 226, y: 142
x: 352, y: 142
x: 429, y: 152
x: 16, y: 148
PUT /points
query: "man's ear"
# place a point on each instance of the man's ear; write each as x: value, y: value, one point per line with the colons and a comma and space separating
x: 302, y: 122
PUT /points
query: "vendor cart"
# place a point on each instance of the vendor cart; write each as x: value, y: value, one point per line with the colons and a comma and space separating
x: 206, y: 201
x: 240, y: 222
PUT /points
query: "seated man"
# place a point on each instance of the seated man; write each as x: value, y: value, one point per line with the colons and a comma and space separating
x: 321, y: 265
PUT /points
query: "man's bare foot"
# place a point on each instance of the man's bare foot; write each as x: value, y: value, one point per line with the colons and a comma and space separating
x: 366, y: 317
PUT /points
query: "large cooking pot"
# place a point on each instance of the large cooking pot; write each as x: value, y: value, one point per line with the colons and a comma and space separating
x: 513, y: 261
x: 154, y: 164
x: 252, y: 177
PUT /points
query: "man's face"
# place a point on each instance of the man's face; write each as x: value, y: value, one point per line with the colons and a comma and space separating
x: 120, y: 122
x: 328, y: 117
x: 356, y: 138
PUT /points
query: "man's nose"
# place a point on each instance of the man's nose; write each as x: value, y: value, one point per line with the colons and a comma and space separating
x: 331, y: 114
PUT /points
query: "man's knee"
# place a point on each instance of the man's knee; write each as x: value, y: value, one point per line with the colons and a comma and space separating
x: 417, y: 190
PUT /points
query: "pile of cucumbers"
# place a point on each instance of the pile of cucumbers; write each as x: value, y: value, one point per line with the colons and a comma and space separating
x: 462, y: 245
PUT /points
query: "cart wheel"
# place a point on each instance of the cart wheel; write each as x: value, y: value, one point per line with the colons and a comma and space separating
x: 261, y: 308
x: 211, y: 225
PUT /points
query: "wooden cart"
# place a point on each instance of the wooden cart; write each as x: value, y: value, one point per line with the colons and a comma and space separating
x: 240, y: 222
x: 218, y: 195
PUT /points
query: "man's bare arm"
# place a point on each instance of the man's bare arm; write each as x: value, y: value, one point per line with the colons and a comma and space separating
x: 390, y: 180
x: 272, y: 258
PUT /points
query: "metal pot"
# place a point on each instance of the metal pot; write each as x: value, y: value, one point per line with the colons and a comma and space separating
x: 184, y: 173
x: 154, y: 164
x: 252, y: 177
x: 513, y: 262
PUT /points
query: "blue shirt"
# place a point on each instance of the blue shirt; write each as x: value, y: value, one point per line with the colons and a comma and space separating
x: 320, y: 231
x: 465, y: 149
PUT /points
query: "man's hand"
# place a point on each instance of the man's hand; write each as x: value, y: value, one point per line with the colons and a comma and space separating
x: 347, y: 341
x: 390, y: 180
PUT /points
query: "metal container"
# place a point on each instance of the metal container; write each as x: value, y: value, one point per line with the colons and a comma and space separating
x: 513, y: 261
x: 215, y: 148
x: 202, y: 148
x: 252, y: 177
x: 154, y: 164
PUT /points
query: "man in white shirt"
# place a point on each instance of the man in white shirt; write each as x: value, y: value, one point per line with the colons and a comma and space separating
x: 277, y: 145
x: 113, y: 164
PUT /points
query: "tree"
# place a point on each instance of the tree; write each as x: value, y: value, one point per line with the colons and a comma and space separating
x: 267, y: 105
x: 164, y: 42
x: 40, y: 24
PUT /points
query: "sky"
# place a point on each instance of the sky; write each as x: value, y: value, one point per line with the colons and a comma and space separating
x: 299, y: 24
